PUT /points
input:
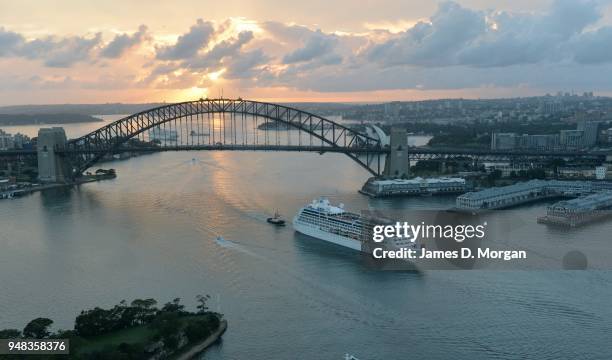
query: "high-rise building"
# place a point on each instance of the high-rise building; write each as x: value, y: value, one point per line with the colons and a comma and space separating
x: 19, y: 140
x: 571, y: 139
x: 503, y: 141
x: 539, y: 142
x: 551, y: 107
x: 6, y: 141
x: 590, y: 131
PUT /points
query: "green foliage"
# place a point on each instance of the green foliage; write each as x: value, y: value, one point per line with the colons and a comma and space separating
x: 128, y: 331
x: 10, y: 334
x: 100, y: 321
x: 202, y: 303
x: 173, y: 306
x: 37, y: 328
x: 167, y: 325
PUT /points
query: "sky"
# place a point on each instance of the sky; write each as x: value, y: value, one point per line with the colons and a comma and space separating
x: 74, y: 51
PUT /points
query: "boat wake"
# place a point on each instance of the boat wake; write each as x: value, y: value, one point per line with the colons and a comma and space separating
x: 232, y: 245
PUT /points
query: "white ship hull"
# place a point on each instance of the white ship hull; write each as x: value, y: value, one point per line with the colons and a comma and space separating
x: 316, y: 232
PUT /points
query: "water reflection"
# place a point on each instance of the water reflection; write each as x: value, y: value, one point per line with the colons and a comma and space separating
x: 152, y: 233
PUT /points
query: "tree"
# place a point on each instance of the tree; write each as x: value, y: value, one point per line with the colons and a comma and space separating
x: 556, y: 164
x: 143, y: 310
x: 37, y: 328
x: 197, y: 330
x: 202, y: 303
x: 174, y: 306
x: 168, y: 326
x: 494, y: 175
x: 94, y: 322
x: 10, y: 334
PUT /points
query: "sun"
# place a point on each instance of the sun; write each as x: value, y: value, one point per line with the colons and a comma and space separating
x: 198, y: 92
x: 214, y: 76
x: 191, y: 93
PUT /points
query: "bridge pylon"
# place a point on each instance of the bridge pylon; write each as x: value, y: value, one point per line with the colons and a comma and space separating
x: 398, y: 163
x: 52, y: 167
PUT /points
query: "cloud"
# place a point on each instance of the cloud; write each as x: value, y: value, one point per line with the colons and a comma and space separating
x: 9, y: 42
x: 189, y: 43
x: 455, y: 35
x: 594, y: 47
x: 531, y: 38
x: 245, y: 66
x: 225, y: 48
x: 567, y: 45
x: 318, y: 44
x: 53, y: 51
x: 432, y: 43
x: 122, y: 43
x: 62, y: 52
x: 287, y: 33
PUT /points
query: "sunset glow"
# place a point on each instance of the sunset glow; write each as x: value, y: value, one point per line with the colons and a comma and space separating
x: 392, y: 51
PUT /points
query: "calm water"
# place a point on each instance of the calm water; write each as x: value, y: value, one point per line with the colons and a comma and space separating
x: 151, y: 233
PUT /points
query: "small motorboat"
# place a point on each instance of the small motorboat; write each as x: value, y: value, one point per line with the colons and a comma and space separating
x: 276, y: 219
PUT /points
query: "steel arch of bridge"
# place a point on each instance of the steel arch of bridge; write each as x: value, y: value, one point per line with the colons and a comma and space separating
x: 328, y: 135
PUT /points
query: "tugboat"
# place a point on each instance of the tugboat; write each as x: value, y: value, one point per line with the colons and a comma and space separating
x: 276, y: 219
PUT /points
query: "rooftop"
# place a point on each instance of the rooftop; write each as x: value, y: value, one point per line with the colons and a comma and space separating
x: 524, y: 186
x: 590, y: 202
x: 419, y: 180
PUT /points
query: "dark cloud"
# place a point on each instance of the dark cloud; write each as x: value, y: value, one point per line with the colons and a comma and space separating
x: 318, y: 44
x: 245, y: 66
x: 9, y: 42
x: 53, y: 51
x: 122, y: 43
x: 220, y: 51
x: 457, y: 47
x: 459, y: 36
x: 62, y: 52
x: 432, y: 43
x: 594, y: 47
x: 189, y: 43
x: 531, y: 38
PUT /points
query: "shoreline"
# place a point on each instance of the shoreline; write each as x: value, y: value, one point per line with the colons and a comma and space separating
x: 199, y: 347
x: 17, y: 193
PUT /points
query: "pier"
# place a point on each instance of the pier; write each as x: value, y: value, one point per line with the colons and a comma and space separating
x: 526, y: 192
x: 579, y: 211
x: 417, y: 186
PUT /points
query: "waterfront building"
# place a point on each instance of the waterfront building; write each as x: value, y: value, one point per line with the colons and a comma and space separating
x: 508, y: 170
x: 523, y: 192
x: 576, y: 172
x: 571, y: 139
x: 578, y: 211
x: 503, y: 141
x: 416, y: 186
x: 539, y: 142
x: 511, y: 141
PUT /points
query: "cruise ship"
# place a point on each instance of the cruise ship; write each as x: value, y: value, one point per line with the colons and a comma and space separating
x: 333, y: 224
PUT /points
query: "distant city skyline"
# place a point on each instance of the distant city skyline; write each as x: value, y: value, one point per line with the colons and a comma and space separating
x: 134, y: 52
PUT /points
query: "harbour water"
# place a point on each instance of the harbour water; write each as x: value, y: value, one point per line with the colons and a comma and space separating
x: 151, y: 232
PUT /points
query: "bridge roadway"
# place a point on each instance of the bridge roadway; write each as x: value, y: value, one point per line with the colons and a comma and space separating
x: 416, y: 153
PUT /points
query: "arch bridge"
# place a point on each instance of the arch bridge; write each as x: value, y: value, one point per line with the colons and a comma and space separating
x: 237, y: 124
x: 222, y: 124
